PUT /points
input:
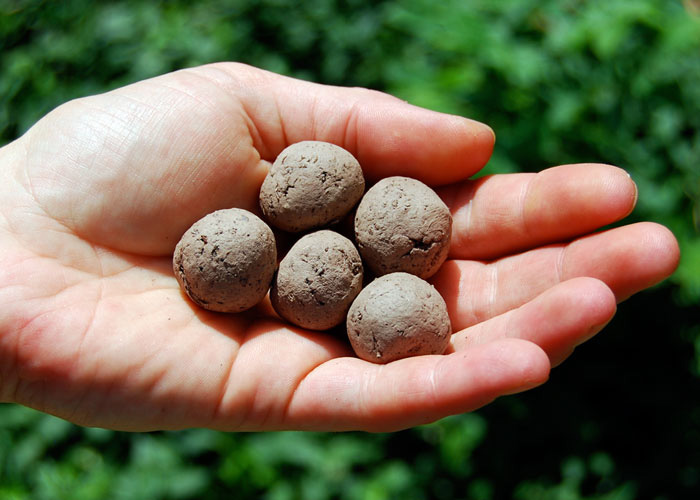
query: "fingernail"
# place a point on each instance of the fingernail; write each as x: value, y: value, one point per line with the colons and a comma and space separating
x: 636, y: 194
x: 492, y: 133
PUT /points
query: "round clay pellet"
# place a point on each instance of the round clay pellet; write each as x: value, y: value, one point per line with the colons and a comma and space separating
x: 225, y: 261
x: 401, y: 224
x: 396, y: 316
x: 311, y: 184
x: 317, y: 281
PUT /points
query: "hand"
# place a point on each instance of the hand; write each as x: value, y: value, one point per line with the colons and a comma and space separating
x: 95, y: 196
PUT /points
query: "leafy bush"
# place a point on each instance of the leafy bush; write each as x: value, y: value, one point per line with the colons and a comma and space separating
x: 608, y: 81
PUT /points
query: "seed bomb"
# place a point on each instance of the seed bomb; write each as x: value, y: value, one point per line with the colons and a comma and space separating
x: 311, y: 184
x: 396, y: 316
x: 402, y: 225
x: 317, y: 281
x: 225, y: 261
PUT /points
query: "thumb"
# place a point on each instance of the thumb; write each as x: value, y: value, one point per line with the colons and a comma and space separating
x: 387, y: 135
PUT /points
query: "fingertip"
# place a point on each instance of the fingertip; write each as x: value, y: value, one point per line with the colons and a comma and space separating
x: 663, y: 244
x: 589, y: 194
x: 621, y: 191
x: 527, y: 363
x: 594, y: 300
x: 504, y: 366
x: 659, y: 255
x: 595, y: 304
x: 569, y: 314
x: 397, y: 138
x: 477, y: 141
x: 635, y: 191
x: 652, y: 255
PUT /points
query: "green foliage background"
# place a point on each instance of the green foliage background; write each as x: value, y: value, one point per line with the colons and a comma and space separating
x: 612, y: 81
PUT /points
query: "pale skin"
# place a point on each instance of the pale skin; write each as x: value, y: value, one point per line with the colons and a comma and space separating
x: 93, y: 198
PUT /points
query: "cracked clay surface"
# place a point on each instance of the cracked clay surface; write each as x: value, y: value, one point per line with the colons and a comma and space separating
x: 225, y: 261
x: 311, y: 184
x: 396, y: 316
x: 317, y: 281
x: 402, y: 225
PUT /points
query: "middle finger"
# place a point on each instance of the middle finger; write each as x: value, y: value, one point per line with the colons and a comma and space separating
x: 627, y: 259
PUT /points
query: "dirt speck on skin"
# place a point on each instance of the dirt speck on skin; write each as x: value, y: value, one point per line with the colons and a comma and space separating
x: 311, y: 184
x: 396, y: 316
x: 225, y: 261
x: 317, y: 281
x: 402, y: 225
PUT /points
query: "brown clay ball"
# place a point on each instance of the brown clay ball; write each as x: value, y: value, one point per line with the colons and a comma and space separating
x: 311, y: 184
x: 317, y: 281
x: 402, y: 225
x: 225, y: 261
x: 396, y: 316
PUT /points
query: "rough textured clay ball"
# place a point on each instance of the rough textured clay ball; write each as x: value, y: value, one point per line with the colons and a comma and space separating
x: 396, y: 316
x: 225, y: 261
x: 317, y: 281
x: 402, y: 225
x: 311, y: 184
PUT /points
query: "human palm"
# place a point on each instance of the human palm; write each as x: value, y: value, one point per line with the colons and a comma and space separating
x: 95, y: 196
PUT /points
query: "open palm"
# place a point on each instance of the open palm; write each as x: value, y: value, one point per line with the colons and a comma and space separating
x: 95, y: 196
